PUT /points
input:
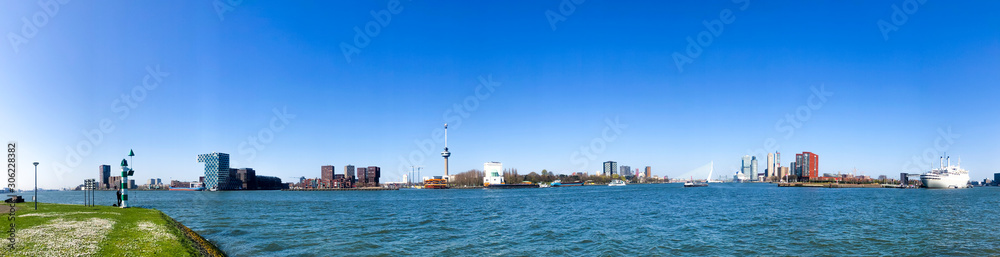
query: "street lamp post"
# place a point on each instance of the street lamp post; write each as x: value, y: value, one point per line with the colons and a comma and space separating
x: 36, y: 185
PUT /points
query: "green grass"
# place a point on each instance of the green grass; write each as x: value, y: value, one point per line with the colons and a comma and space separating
x: 76, y: 230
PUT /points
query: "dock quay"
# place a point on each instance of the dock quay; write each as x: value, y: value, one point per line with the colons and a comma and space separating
x: 835, y: 185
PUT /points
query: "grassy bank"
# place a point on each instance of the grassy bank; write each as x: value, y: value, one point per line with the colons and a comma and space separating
x: 76, y: 230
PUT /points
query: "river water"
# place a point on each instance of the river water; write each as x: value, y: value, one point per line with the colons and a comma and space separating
x: 660, y: 219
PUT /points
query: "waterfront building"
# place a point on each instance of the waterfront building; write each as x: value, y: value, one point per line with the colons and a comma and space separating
x: 996, y: 178
x: 270, y: 183
x: 783, y: 172
x: 770, y: 170
x: 246, y: 178
x: 649, y: 171
x: 798, y: 165
x: 103, y: 173
x: 493, y: 173
x: 349, y: 172
x: 216, y: 171
x: 624, y: 170
x: 374, y: 173
x: 794, y: 168
x: 745, y: 167
x: 777, y: 159
x: 807, y: 165
x: 362, y: 173
x: 326, y: 172
x: 609, y: 168
x: 753, y: 168
x: 131, y: 184
x: 115, y: 182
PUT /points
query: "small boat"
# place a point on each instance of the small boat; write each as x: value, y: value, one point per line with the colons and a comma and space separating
x: 617, y: 183
x: 191, y: 187
x: 187, y: 189
x: 693, y: 184
x: 544, y: 185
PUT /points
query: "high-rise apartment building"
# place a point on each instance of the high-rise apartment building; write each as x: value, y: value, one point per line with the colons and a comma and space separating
x: 624, y: 170
x: 746, y: 169
x: 649, y: 172
x: 217, y: 173
x: 753, y: 168
x: 349, y: 172
x: 362, y: 174
x: 770, y: 170
x: 326, y: 172
x: 806, y: 165
x: 610, y: 167
x: 373, y: 175
x: 103, y: 173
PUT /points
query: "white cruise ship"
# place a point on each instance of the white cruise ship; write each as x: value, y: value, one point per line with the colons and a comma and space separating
x: 946, y: 176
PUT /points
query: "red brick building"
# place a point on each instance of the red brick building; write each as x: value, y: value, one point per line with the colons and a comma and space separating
x: 807, y: 165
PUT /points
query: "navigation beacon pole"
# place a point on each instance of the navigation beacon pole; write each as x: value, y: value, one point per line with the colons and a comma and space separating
x: 124, y: 187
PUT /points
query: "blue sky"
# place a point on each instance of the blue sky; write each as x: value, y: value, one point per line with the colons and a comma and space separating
x: 222, y: 76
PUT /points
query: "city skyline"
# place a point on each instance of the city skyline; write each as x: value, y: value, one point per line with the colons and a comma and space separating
x: 269, y: 83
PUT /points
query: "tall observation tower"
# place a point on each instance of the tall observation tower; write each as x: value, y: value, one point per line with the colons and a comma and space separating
x: 445, y: 154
